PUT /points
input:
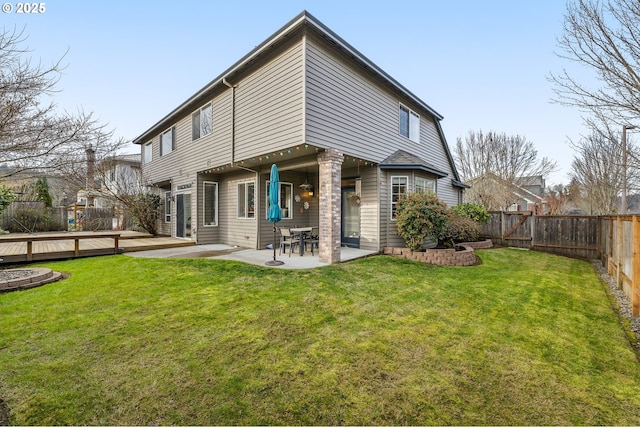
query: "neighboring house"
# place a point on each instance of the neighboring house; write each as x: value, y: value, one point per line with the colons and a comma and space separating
x: 348, y: 140
x: 496, y: 194
x: 113, y: 176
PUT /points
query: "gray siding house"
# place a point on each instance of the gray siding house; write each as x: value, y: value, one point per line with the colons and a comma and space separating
x: 347, y: 138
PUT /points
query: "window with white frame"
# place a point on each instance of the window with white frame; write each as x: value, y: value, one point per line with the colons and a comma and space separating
x: 147, y: 150
x: 201, y: 122
x: 409, y: 124
x: 399, y: 187
x: 168, y: 141
x: 210, y: 202
x: 167, y: 206
x: 425, y: 185
x: 285, y: 200
x: 246, y: 200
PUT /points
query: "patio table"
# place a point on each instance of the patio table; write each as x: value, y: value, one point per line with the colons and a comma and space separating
x: 302, y: 232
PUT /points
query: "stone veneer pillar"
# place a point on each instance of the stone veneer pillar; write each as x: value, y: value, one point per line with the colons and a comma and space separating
x: 330, y: 175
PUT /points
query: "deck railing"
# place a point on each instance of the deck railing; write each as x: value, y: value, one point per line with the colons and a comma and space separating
x: 77, y: 251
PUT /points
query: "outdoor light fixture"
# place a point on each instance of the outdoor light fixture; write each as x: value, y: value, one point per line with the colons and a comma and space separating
x: 306, y: 186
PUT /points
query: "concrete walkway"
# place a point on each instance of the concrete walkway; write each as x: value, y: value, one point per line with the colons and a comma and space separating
x: 250, y: 256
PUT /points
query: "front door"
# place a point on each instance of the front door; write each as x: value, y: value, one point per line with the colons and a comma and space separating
x: 350, y: 218
x: 183, y: 215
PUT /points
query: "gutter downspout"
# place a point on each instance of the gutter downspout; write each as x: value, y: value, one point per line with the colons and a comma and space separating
x: 233, y: 119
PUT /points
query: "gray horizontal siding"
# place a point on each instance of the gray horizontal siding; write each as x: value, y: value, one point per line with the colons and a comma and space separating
x: 242, y: 232
x: 269, y: 117
x: 350, y: 111
x: 269, y: 106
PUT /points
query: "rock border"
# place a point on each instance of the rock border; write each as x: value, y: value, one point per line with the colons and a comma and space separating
x: 448, y: 257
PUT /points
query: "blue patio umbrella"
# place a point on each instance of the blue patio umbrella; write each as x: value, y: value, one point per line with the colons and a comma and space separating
x: 274, y: 215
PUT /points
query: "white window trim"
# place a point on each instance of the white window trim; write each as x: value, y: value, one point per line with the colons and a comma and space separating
x: 148, y: 145
x: 167, y: 215
x: 266, y: 205
x: 391, y: 205
x: 434, y: 181
x: 199, y: 112
x: 172, y: 129
x: 246, y: 200
x: 204, y: 204
x: 414, y: 125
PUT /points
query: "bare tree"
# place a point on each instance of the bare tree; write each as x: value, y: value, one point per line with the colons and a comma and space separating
x: 557, y: 200
x: 34, y: 136
x: 597, y: 168
x: 493, y: 163
x: 602, y: 36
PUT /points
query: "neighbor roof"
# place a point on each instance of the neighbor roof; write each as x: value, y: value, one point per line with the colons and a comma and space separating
x: 303, y: 19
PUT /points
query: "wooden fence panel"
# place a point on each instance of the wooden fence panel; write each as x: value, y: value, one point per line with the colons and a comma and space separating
x: 573, y: 236
x: 32, y: 217
x: 517, y: 229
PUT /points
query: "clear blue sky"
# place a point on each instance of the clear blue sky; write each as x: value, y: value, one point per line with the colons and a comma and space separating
x: 483, y: 65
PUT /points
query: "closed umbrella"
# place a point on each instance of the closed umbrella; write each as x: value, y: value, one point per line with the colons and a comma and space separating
x: 274, y: 215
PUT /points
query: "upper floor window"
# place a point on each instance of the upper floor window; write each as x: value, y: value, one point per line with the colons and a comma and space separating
x: 425, y: 185
x: 168, y: 141
x: 399, y: 186
x: 286, y: 200
x: 201, y: 122
x: 409, y: 124
x: 147, y: 152
x: 210, y: 190
x: 246, y: 200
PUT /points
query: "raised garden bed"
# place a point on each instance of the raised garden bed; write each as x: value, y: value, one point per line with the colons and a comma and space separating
x: 463, y: 256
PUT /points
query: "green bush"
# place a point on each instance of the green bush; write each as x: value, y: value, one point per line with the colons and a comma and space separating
x: 6, y: 197
x: 460, y: 229
x: 420, y: 217
x: 472, y: 210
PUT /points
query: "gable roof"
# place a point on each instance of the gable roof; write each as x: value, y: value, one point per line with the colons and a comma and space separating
x: 304, y: 19
x: 403, y: 160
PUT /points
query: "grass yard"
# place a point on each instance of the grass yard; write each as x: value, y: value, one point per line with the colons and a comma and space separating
x: 523, y: 338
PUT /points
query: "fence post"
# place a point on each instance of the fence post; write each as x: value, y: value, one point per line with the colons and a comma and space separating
x: 635, y: 279
x: 532, y: 228
x: 618, y: 258
x: 502, y: 228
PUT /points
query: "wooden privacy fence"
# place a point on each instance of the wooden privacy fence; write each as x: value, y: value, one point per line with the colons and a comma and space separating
x: 573, y: 236
x: 615, y: 240
x: 20, y: 217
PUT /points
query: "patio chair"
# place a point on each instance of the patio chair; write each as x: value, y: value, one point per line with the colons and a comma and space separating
x: 288, y: 239
x: 313, y: 239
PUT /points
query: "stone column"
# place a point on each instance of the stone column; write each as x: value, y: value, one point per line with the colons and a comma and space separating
x: 330, y: 193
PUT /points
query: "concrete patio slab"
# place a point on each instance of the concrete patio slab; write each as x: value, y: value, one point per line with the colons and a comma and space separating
x: 250, y: 256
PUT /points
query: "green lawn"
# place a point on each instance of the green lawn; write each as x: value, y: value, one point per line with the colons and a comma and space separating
x: 523, y: 338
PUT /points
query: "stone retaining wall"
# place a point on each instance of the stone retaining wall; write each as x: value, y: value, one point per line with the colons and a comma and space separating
x: 449, y: 257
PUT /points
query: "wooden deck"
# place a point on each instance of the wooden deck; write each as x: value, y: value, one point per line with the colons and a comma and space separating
x: 23, y: 247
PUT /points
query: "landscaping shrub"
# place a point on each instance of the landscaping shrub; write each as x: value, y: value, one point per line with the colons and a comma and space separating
x: 459, y: 229
x: 472, y: 210
x: 419, y: 217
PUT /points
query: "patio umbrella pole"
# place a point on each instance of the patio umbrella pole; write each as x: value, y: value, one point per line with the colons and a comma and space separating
x: 273, y: 214
x: 274, y: 242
